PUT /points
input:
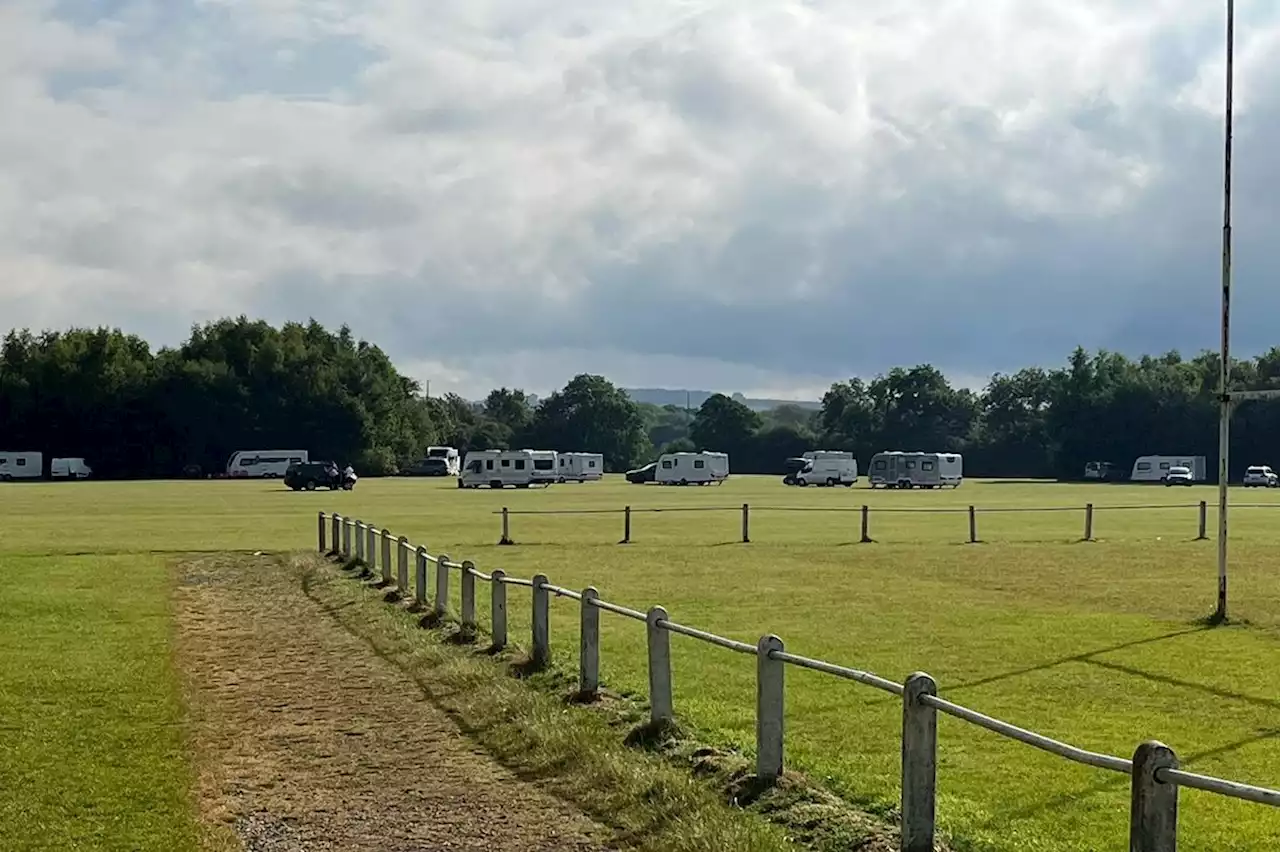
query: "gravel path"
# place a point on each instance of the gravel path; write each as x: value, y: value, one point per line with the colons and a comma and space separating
x: 306, y: 740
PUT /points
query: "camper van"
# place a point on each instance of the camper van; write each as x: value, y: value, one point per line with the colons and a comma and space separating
x: 579, y: 467
x: 21, y: 465
x: 1156, y: 468
x: 691, y: 468
x: 69, y: 469
x: 826, y: 467
x: 896, y: 469
x: 263, y: 464
x: 453, y: 464
x: 497, y: 469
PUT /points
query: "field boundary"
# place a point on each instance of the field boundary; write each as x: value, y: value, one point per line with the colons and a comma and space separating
x: 746, y: 511
x: 1155, y: 776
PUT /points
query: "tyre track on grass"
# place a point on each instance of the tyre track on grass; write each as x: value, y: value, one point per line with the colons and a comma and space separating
x: 305, y: 739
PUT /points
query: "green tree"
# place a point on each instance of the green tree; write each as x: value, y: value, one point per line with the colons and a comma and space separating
x: 591, y: 415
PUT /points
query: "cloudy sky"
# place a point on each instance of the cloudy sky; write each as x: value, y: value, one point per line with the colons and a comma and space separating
x: 753, y: 195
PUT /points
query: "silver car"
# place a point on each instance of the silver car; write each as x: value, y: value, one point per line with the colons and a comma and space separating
x: 1261, y: 476
x: 1179, y: 475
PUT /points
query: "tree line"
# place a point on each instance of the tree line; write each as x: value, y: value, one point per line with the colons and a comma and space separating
x: 242, y: 384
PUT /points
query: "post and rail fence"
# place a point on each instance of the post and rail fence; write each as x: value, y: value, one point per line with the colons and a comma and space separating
x: 864, y: 513
x: 1154, y: 771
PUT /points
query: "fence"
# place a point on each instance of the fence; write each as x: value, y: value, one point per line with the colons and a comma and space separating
x: 1086, y: 514
x: 1155, y: 776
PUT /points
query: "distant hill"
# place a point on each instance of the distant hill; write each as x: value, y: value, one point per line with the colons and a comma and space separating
x: 694, y: 398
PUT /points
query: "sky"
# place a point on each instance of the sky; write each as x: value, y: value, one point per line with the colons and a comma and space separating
x: 736, y: 195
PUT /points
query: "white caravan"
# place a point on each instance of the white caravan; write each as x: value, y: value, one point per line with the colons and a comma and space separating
x: 69, y: 469
x: 896, y: 469
x: 263, y: 464
x: 691, y: 468
x: 452, y: 462
x: 545, y: 463
x: 827, y: 467
x: 1156, y: 468
x: 580, y: 467
x: 21, y: 465
x: 497, y: 469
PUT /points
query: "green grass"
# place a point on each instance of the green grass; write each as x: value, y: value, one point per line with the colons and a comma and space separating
x: 1096, y: 643
x: 91, y: 751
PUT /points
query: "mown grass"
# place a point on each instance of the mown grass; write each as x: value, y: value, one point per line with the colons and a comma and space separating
x: 1096, y: 643
x: 91, y: 748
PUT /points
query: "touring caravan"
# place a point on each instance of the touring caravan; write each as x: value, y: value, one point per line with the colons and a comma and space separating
x: 545, y: 464
x: 826, y: 467
x: 497, y: 469
x: 579, y: 467
x: 692, y: 468
x: 263, y: 464
x: 21, y: 465
x: 453, y: 464
x: 72, y: 468
x: 1156, y: 468
x: 897, y: 469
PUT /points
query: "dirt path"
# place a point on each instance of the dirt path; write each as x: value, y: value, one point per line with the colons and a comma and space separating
x: 306, y: 740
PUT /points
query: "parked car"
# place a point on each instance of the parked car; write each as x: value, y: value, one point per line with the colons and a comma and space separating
x: 1261, y: 476
x: 643, y: 474
x: 311, y: 475
x: 427, y: 467
x: 1179, y: 475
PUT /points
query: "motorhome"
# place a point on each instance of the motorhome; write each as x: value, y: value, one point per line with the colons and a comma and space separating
x: 69, y: 468
x: 691, y: 468
x: 897, y: 469
x: 579, y: 467
x: 263, y: 464
x: 21, y: 465
x: 497, y: 469
x: 826, y: 467
x: 545, y: 465
x: 1156, y: 468
x: 452, y: 461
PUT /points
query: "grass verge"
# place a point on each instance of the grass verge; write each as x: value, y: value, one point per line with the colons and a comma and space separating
x: 660, y: 788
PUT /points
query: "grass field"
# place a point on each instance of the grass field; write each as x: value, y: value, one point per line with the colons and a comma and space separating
x: 1096, y: 643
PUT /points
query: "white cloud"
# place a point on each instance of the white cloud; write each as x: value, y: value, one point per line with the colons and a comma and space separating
x: 742, y: 196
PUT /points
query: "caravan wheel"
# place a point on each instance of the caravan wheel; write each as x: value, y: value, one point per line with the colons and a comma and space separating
x: 831, y: 482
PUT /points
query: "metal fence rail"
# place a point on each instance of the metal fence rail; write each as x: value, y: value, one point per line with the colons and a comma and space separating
x: 745, y: 513
x: 1154, y: 772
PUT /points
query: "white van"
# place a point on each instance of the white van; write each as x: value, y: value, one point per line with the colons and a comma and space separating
x: 545, y: 464
x: 497, y: 468
x: 827, y: 467
x: 71, y: 468
x: 21, y: 465
x: 691, y: 468
x: 580, y: 467
x: 263, y: 464
x: 452, y: 462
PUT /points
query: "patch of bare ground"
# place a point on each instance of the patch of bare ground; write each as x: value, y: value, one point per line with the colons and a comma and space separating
x: 305, y: 739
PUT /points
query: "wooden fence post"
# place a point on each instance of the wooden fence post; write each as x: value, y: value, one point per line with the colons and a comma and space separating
x: 347, y: 526
x: 468, y: 600
x: 420, y: 576
x: 746, y: 524
x: 321, y: 528
x: 506, y: 527
x: 371, y: 545
x: 1088, y: 522
x: 1204, y: 522
x: 541, y: 622
x: 973, y: 525
x: 866, y: 525
x: 335, y: 532
x: 387, y: 538
x: 402, y: 564
x: 360, y: 540
x: 660, y: 694
x: 442, y: 585
x: 1153, y: 804
x: 498, y: 607
x: 589, y: 646
x: 769, y: 709
x: 919, y: 764
x: 626, y: 525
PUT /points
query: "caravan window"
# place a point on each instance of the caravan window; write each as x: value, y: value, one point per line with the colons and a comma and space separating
x: 591, y: 463
x: 881, y: 464
x: 488, y: 463
x: 248, y: 461
x: 699, y: 464
x: 1164, y: 465
x: 506, y: 462
x: 911, y: 465
x: 1144, y: 465
x: 474, y: 467
x: 519, y: 464
x: 926, y: 465
x: 22, y: 462
x: 666, y: 464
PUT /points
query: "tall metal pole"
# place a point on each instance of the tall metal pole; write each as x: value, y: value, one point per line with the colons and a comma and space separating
x: 1224, y: 379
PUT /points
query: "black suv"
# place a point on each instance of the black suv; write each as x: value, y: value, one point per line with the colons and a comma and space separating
x: 312, y: 475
